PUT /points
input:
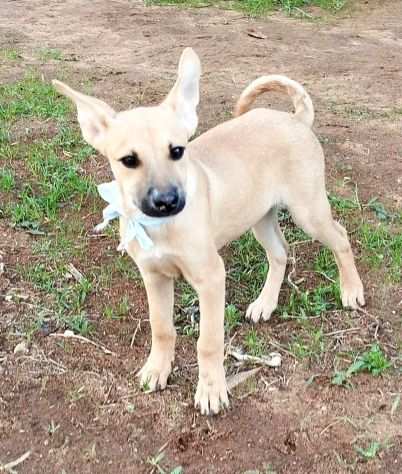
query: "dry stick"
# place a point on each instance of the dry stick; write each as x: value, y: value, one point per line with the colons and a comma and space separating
x: 279, y: 346
x: 341, y: 331
x: 9, y: 466
x: 135, y: 333
x: 70, y: 335
x: 292, y: 259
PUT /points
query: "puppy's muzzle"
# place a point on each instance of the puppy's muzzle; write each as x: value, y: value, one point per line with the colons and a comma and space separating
x: 159, y: 203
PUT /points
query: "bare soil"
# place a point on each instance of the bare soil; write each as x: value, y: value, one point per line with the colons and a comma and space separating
x: 292, y: 420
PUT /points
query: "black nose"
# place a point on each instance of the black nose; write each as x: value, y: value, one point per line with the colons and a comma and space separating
x: 163, y: 203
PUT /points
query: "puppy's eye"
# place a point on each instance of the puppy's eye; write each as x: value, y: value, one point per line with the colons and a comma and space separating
x: 130, y: 161
x: 176, y: 152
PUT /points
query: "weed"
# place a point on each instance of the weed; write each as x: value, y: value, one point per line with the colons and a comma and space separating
x: 79, y: 324
x: 119, y: 311
x: 373, y: 361
x: 156, y: 463
x: 325, y: 264
x: 382, y: 248
x: 232, y: 317
x: 311, y: 345
x: 254, y: 344
x: 44, y: 54
x: 10, y: 54
x: 247, y: 266
x: 370, y: 452
x: 52, y: 428
x: 378, y: 208
x: 7, y: 181
x: 312, y: 303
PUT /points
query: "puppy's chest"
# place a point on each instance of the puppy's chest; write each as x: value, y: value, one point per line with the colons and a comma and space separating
x: 158, y: 259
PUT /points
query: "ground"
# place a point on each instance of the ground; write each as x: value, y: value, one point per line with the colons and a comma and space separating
x: 334, y: 403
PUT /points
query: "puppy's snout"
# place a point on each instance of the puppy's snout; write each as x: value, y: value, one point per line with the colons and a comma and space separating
x: 158, y: 203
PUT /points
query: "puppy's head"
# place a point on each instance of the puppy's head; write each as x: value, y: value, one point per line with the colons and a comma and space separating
x: 146, y: 146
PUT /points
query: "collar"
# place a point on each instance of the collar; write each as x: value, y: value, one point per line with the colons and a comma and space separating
x: 136, y: 224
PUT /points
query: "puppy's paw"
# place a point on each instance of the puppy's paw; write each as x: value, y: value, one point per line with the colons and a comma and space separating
x: 353, y: 295
x: 154, y: 375
x: 212, y: 393
x: 260, y: 309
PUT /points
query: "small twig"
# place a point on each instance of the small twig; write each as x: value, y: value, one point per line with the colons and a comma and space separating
x: 279, y: 346
x: 76, y: 274
x: 138, y: 328
x: 300, y: 242
x: 292, y: 259
x: 303, y: 13
x: 325, y: 276
x: 9, y: 466
x: 70, y: 335
x: 341, y: 331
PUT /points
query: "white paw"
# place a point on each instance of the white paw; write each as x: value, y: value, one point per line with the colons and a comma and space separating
x: 353, y: 295
x: 212, y: 393
x: 260, y: 309
x: 154, y: 375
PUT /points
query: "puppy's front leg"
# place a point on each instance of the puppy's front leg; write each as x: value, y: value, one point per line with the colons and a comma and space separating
x: 211, y: 391
x: 156, y: 371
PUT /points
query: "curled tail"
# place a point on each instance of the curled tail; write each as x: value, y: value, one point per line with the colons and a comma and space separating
x: 304, y: 110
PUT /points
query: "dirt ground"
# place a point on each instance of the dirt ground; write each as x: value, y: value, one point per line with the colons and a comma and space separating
x: 292, y: 420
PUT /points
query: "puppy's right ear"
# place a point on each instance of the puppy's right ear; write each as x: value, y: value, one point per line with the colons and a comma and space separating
x: 94, y: 116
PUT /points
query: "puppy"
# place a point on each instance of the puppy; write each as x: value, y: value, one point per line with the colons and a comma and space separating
x: 208, y: 192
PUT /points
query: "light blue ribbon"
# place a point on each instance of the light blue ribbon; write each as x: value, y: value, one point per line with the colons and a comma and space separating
x: 135, y: 226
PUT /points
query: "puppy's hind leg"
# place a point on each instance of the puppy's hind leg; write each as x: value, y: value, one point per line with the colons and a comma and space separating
x: 316, y: 219
x: 269, y: 235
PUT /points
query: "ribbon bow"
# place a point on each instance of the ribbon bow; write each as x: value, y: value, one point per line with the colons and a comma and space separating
x: 135, y: 228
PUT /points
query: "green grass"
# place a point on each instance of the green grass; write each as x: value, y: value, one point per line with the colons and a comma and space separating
x: 233, y: 318
x: 7, y: 180
x: 259, y: 7
x: 382, y: 247
x: 310, y: 343
x: 373, y: 361
x: 46, y: 187
x: 10, y: 54
x: 65, y: 299
x: 44, y: 54
x: 254, y: 344
x: 53, y: 166
x: 119, y: 311
x: 247, y: 268
x: 31, y: 97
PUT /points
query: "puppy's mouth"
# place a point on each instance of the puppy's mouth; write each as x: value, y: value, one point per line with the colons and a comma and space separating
x: 167, y: 203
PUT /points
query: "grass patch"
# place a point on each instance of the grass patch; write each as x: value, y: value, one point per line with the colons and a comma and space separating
x: 10, y: 54
x: 119, y: 311
x: 45, y: 54
x: 7, y: 181
x: 382, y: 248
x: 373, y: 361
x: 259, y: 7
x: 247, y: 267
x: 254, y: 344
x: 308, y: 345
x: 233, y: 318
x: 65, y: 298
x: 31, y: 97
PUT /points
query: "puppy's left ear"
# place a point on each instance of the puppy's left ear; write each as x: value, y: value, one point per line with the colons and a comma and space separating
x: 185, y: 94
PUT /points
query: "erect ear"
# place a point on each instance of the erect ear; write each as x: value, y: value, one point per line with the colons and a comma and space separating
x: 185, y: 94
x: 94, y: 116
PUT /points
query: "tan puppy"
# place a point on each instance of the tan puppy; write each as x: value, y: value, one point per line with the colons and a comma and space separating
x: 228, y: 180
